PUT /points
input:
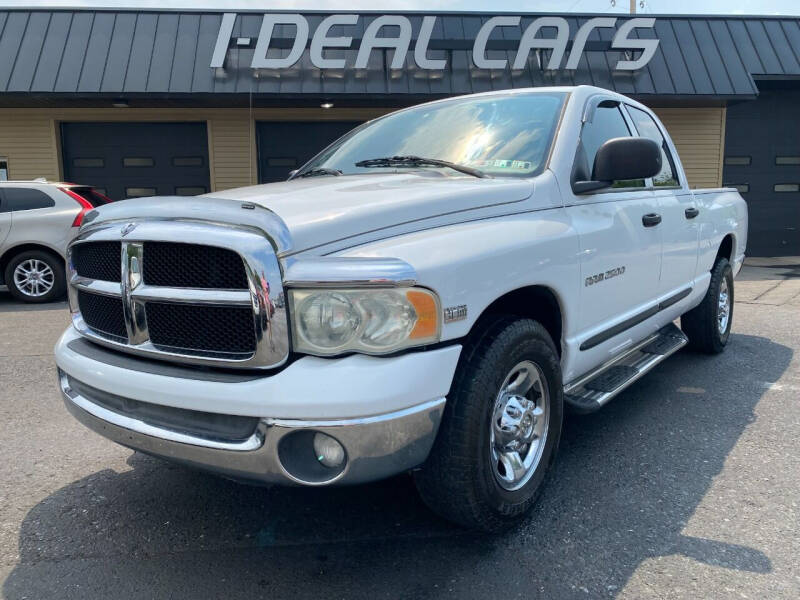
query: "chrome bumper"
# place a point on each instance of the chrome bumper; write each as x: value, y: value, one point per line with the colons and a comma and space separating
x: 376, y: 447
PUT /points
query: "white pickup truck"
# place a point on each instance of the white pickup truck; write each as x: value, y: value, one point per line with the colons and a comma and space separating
x: 427, y: 294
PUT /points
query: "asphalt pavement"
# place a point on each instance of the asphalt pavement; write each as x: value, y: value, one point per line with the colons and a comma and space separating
x: 685, y: 486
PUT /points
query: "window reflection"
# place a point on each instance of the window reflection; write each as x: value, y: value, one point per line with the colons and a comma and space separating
x: 501, y: 135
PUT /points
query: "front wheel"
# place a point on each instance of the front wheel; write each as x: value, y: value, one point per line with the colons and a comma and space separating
x: 708, y: 325
x: 500, y: 430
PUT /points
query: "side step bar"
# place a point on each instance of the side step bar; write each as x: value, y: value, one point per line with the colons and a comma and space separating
x: 590, y: 392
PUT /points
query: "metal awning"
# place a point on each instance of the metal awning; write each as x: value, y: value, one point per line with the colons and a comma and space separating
x: 88, y: 53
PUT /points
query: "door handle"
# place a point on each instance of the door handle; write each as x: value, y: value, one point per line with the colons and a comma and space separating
x: 691, y: 212
x: 651, y: 220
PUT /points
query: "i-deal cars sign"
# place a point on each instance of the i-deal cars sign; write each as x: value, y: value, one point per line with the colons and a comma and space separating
x: 399, y: 34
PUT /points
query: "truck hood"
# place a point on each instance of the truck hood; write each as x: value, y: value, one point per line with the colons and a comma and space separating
x: 326, y: 214
x: 320, y: 211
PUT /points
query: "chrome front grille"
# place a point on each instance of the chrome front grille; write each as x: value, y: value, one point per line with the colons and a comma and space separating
x: 220, y: 330
x: 192, y: 265
x: 218, y: 302
x: 98, y: 260
x: 104, y: 314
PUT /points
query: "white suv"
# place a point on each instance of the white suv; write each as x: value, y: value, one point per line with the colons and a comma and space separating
x: 37, y: 220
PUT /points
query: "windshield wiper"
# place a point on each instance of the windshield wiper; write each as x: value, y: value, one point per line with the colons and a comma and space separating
x: 419, y: 161
x: 320, y: 171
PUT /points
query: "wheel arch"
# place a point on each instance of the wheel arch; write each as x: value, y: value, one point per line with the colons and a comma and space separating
x: 538, y: 302
x: 726, y: 249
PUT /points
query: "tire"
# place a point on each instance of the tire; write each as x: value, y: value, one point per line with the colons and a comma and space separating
x: 703, y: 325
x: 51, y: 283
x: 463, y: 479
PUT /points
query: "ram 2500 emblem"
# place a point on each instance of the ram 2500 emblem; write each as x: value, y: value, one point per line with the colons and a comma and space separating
x: 615, y: 272
x: 455, y: 313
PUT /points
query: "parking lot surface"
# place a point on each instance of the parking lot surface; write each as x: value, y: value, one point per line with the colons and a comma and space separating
x: 685, y: 486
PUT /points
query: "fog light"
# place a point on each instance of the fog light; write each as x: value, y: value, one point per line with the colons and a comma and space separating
x: 328, y: 451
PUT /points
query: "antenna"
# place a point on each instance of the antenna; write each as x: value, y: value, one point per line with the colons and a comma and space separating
x: 250, y: 134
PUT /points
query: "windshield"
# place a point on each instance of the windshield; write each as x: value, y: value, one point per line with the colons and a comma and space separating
x: 500, y: 135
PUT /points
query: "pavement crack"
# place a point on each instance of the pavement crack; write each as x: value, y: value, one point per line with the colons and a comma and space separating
x: 769, y: 290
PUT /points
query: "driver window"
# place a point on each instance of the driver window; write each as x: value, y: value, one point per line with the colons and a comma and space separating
x: 608, y: 123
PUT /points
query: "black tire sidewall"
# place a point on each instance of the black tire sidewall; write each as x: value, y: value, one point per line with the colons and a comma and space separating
x: 506, y: 503
x: 710, y: 310
x: 59, y: 277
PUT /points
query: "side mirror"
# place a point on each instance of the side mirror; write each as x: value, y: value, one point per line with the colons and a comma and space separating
x: 620, y: 159
x: 292, y: 173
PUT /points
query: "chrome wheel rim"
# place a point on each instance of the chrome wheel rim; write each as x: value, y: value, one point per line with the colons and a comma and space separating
x: 34, y: 277
x: 723, y: 307
x: 519, y: 424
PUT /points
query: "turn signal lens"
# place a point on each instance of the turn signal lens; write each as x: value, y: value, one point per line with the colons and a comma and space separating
x: 326, y: 322
x: 427, y: 323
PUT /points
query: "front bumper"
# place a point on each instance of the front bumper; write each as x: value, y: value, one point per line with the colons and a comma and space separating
x: 377, y: 443
x: 376, y: 447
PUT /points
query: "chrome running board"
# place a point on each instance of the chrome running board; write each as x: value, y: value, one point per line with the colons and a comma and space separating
x: 590, y: 392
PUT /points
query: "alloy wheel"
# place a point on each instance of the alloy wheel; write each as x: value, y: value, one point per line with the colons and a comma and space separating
x: 519, y: 424
x: 723, y: 307
x: 34, y: 277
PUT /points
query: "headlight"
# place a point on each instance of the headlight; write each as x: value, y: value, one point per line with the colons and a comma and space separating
x: 373, y: 321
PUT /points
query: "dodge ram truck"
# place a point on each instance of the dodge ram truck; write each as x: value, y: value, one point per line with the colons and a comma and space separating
x: 428, y: 294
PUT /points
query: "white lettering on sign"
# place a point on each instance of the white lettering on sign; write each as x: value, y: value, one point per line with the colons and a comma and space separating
x: 648, y: 47
x: 421, y: 49
x: 479, y: 47
x: 371, y: 40
x: 395, y: 32
x: 322, y: 41
x: 260, y: 60
x: 557, y: 44
x: 583, y: 35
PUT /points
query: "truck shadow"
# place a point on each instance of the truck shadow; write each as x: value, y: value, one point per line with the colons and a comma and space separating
x: 628, y: 480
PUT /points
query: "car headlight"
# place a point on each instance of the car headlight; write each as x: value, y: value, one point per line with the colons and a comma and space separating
x: 373, y: 321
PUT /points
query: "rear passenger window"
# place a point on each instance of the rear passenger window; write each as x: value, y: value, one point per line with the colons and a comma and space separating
x: 607, y: 124
x: 647, y: 127
x: 27, y: 199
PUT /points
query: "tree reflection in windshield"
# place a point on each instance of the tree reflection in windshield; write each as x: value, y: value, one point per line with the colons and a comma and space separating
x: 503, y: 135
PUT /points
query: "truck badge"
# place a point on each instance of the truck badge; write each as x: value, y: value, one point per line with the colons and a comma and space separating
x: 127, y: 229
x: 611, y: 273
x: 455, y: 313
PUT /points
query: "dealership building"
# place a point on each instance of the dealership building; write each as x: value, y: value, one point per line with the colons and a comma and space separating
x: 140, y: 103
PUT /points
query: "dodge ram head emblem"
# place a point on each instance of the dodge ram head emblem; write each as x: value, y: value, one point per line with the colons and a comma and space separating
x: 126, y: 229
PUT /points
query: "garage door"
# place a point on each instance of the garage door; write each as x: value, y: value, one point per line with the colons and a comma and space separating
x: 128, y: 160
x: 284, y: 146
x: 762, y: 159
